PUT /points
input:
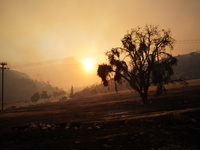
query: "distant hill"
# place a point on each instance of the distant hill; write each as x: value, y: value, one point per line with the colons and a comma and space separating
x: 188, y: 66
x: 19, y: 87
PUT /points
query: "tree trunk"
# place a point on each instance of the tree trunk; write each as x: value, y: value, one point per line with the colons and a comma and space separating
x: 144, y: 97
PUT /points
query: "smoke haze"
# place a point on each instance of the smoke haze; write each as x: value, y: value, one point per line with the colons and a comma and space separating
x: 48, y: 39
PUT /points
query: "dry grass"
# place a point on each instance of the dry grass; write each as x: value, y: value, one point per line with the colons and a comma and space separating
x: 110, y: 121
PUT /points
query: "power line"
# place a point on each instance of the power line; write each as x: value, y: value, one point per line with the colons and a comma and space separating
x: 39, y: 63
x: 188, y: 41
x: 69, y: 60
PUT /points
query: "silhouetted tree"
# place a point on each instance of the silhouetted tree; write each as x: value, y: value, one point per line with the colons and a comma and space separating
x: 72, y: 92
x: 44, y: 95
x: 35, y: 97
x: 141, y: 61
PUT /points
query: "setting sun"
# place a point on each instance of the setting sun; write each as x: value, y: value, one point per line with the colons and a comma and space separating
x: 88, y: 65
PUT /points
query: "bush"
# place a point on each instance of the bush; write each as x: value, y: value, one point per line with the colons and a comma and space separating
x: 35, y: 97
x: 44, y: 95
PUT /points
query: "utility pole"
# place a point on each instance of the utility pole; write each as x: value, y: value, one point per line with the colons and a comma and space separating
x: 3, y: 64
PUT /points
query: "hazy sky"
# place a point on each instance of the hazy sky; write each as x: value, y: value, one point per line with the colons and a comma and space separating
x: 48, y: 39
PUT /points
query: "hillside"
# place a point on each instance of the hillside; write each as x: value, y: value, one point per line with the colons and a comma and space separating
x: 112, y: 120
x: 188, y: 66
x: 19, y: 87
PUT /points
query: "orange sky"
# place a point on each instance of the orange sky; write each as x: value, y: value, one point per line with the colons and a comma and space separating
x: 48, y: 38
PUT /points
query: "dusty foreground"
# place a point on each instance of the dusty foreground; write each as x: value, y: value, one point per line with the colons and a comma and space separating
x: 108, y: 121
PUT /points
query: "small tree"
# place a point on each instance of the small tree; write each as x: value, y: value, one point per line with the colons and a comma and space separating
x: 141, y: 61
x: 72, y: 92
x: 45, y: 95
x: 35, y: 97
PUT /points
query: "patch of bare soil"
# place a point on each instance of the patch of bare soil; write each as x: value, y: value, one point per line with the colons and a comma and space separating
x: 107, y: 121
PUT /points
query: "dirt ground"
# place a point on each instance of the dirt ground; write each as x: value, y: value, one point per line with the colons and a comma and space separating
x: 108, y: 121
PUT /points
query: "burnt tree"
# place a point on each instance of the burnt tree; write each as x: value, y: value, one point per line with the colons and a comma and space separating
x: 142, y: 60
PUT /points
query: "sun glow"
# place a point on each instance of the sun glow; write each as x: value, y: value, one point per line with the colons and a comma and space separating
x: 88, y: 65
